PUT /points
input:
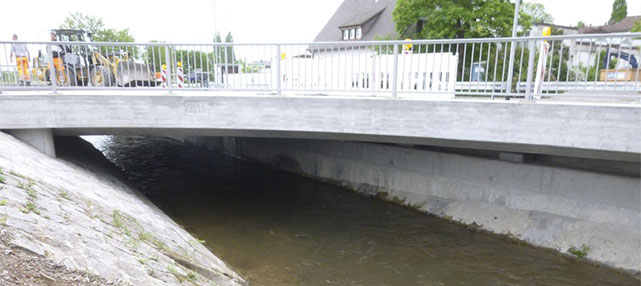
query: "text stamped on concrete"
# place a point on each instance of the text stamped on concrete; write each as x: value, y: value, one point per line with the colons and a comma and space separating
x: 195, y: 107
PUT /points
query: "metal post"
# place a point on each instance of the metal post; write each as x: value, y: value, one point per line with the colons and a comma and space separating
x: 395, y: 70
x: 278, y: 75
x: 530, y: 69
x: 510, y: 71
x: 169, y: 66
x: 52, y: 69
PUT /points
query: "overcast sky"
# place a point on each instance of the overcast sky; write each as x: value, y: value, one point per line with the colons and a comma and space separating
x: 249, y: 20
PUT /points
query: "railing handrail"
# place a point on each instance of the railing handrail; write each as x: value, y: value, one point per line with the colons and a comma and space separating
x: 348, y: 43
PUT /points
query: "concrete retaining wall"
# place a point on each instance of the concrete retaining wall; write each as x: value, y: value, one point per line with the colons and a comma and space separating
x: 546, y: 206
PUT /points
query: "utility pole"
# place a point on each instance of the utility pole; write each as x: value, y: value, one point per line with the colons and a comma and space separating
x: 510, y: 71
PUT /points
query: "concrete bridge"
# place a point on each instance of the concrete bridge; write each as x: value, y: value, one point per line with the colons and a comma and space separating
x: 556, y: 169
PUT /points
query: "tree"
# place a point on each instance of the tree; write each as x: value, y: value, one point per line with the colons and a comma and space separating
x: 446, y: 19
x: 619, y: 11
x: 636, y: 27
x: 580, y: 24
x: 96, y: 27
x: 538, y: 13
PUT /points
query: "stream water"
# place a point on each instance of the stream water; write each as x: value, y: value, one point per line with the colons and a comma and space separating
x: 276, y: 228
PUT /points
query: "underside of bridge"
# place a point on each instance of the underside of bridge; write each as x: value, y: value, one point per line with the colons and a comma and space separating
x: 554, y: 175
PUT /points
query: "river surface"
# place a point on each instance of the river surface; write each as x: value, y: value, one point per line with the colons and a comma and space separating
x: 276, y: 228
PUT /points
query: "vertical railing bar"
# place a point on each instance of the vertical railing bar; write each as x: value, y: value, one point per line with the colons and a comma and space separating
x: 530, y: 69
x: 558, y: 76
x: 278, y: 74
x: 496, y: 65
x: 395, y: 71
x: 168, y: 63
x: 587, y: 72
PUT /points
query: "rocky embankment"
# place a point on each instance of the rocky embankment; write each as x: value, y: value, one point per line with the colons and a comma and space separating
x: 76, y: 221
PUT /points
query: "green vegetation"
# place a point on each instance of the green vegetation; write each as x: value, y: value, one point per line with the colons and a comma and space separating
x: 636, y: 27
x: 30, y: 206
x: 14, y: 173
x: 537, y: 12
x: 3, y: 202
x: 117, y: 219
x: 580, y: 252
x: 63, y: 194
x: 619, y: 11
x: 3, y: 180
x: 444, y: 19
x: 96, y: 27
x: 142, y: 261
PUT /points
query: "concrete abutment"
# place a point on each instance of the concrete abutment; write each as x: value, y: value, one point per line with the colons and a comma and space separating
x: 41, y: 139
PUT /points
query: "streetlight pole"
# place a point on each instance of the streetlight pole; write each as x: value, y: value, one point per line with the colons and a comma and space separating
x: 508, y: 88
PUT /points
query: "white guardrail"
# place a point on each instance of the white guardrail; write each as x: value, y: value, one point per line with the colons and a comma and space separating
x: 602, y: 65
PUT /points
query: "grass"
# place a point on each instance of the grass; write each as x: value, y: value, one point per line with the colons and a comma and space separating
x: 3, y: 180
x: 14, y: 173
x: 117, y: 219
x: 63, y: 194
x: 3, y: 219
x: 580, y: 252
x: 30, y: 206
x: 3, y: 202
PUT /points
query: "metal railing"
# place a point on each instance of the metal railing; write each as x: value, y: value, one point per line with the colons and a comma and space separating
x: 590, y: 65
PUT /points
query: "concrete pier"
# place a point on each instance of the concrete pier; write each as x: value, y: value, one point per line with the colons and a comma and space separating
x: 41, y: 139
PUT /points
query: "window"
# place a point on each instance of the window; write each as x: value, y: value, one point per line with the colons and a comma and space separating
x: 345, y: 34
x: 352, y: 34
x: 358, y: 32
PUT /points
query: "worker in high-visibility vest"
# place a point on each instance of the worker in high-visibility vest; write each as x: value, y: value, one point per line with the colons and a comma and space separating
x: 21, y: 53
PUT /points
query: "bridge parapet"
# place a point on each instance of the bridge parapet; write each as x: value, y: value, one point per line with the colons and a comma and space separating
x: 581, y: 66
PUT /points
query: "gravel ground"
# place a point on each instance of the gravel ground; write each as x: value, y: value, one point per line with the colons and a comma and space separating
x: 22, y: 267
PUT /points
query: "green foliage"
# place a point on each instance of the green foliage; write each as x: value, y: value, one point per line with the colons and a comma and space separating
x: 444, y: 19
x: 619, y: 11
x: 580, y: 252
x: 96, y: 27
x: 636, y: 27
x: 3, y: 180
x: 63, y: 194
x: 537, y: 12
x: 192, y: 60
x: 580, y: 24
x: 30, y: 206
x: 3, y: 202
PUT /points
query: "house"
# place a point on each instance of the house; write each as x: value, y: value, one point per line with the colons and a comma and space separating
x: 336, y: 61
x: 360, y: 20
x: 622, y: 26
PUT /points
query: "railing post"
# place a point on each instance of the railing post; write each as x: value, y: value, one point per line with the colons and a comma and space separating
x: 530, y: 69
x: 278, y: 75
x: 395, y: 70
x: 52, y: 69
x: 169, y: 65
x: 510, y: 68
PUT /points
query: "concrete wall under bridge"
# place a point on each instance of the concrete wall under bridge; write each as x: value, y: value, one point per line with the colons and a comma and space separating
x: 542, y: 204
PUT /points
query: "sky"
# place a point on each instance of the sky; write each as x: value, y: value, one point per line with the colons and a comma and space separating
x: 250, y: 21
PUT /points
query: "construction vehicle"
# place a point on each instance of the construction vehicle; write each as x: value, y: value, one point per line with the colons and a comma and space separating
x: 621, y: 74
x: 88, y: 64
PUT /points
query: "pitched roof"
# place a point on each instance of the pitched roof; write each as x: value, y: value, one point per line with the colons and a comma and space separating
x: 359, y: 12
x: 619, y: 27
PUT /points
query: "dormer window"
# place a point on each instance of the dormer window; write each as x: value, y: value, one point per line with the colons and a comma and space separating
x: 352, y: 33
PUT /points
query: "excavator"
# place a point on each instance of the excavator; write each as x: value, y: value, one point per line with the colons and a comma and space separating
x: 93, y: 65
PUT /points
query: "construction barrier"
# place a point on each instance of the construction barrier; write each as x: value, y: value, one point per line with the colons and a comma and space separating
x: 163, y: 76
x: 179, y: 74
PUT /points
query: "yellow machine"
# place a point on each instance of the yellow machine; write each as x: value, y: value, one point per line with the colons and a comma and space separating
x: 86, y: 65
